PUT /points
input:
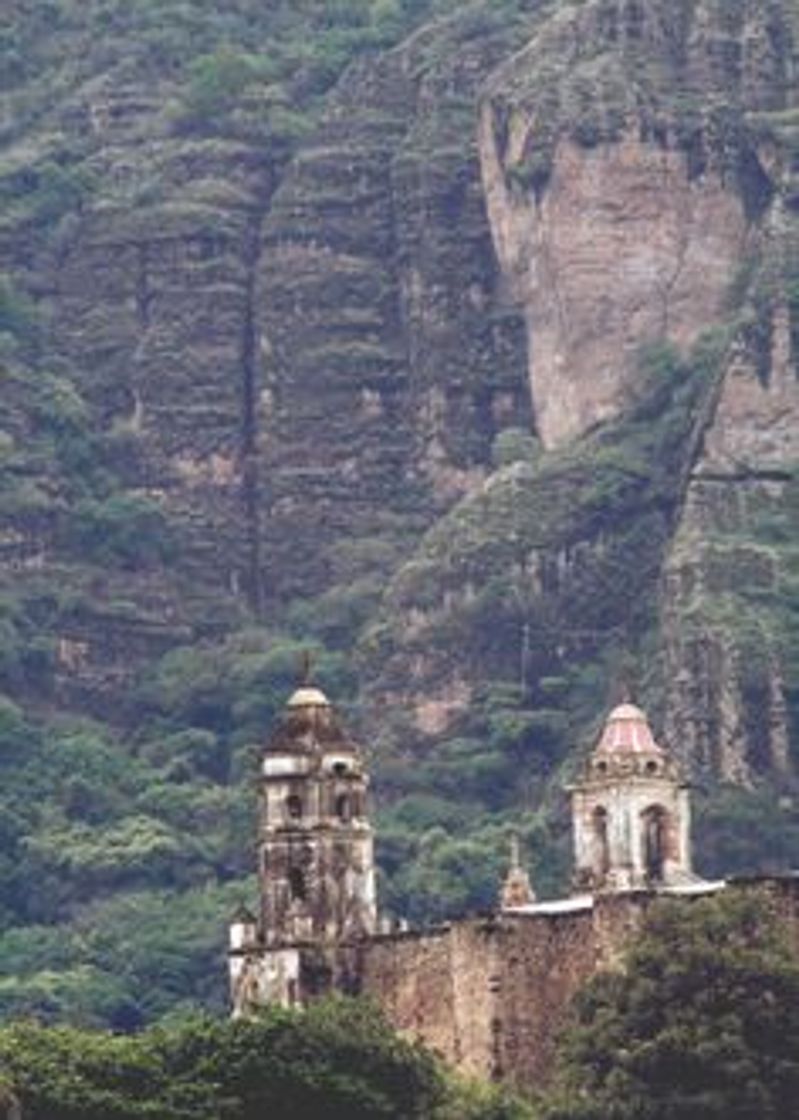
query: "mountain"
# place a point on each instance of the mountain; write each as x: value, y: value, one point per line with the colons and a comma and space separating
x: 454, y: 342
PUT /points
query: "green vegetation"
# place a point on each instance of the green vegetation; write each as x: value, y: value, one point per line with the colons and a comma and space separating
x: 550, y: 574
x: 122, y: 859
x: 136, y: 681
x: 703, y: 1022
x: 337, y: 1060
x: 18, y: 317
x: 740, y: 830
x: 124, y: 530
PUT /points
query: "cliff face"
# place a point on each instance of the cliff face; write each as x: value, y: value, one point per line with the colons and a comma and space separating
x: 659, y: 205
x: 728, y: 598
x: 473, y: 360
x: 621, y: 182
x: 621, y: 250
x: 637, y: 170
x: 304, y: 361
x: 390, y: 355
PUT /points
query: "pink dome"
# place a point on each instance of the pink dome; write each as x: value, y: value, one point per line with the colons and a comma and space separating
x: 627, y: 731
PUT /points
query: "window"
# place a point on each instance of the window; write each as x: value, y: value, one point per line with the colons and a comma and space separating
x: 599, y: 820
x: 294, y: 807
x: 654, y: 822
x: 297, y: 885
x: 343, y: 807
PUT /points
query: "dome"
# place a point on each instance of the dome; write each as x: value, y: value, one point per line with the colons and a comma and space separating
x: 310, y: 727
x: 627, y: 711
x: 308, y: 698
x: 627, y: 731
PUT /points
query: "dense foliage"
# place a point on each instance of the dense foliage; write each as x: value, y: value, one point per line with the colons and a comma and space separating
x: 126, y: 805
x: 337, y: 1060
x: 703, y: 1022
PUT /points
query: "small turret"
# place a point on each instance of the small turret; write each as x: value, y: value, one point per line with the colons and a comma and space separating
x: 516, y: 890
x: 243, y: 930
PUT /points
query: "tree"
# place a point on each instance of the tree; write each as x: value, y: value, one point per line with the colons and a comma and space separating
x: 702, y: 1024
x: 337, y: 1059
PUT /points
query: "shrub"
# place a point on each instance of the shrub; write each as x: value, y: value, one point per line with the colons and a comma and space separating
x: 126, y: 531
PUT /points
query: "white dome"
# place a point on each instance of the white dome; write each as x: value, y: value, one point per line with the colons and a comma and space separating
x: 308, y: 698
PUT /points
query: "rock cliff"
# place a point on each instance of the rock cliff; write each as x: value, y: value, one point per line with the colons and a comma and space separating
x: 464, y: 347
x: 391, y: 356
x: 304, y: 360
x: 636, y: 160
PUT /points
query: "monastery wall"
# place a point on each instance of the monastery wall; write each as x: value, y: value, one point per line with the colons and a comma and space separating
x: 410, y: 975
x: 492, y: 995
x: 489, y: 995
x: 544, y: 959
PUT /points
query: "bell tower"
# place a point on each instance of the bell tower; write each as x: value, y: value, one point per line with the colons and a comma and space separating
x: 316, y: 872
x: 630, y: 812
x: 315, y: 845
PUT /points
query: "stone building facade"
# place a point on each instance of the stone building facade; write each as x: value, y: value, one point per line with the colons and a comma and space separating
x: 489, y: 994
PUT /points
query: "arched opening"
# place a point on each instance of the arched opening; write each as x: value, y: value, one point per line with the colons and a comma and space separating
x: 297, y: 886
x: 654, y: 826
x: 294, y: 807
x: 599, y: 822
x: 344, y: 807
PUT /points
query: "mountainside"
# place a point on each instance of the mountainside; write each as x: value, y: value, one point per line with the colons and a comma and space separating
x: 456, y: 342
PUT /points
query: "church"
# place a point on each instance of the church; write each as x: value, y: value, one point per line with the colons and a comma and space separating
x: 488, y: 993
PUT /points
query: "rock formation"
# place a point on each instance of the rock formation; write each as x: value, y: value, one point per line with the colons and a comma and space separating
x: 639, y: 196
x: 474, y: 360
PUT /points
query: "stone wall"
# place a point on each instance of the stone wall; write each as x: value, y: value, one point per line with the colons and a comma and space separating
x: 489, y: 995
x: 492, y: 995
x: 543, y: 959
x: 411, y: 976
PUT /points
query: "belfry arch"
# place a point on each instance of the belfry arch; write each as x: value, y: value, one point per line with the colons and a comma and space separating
x: 654, y: 841
x: 599, y: 821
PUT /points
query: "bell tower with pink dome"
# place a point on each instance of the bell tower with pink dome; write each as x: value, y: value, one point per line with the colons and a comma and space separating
x: 630, y: 812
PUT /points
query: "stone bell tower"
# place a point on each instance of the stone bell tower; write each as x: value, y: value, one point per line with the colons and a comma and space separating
x: 630, y: 812
x: 316, y: 870
x: 316, y: 860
